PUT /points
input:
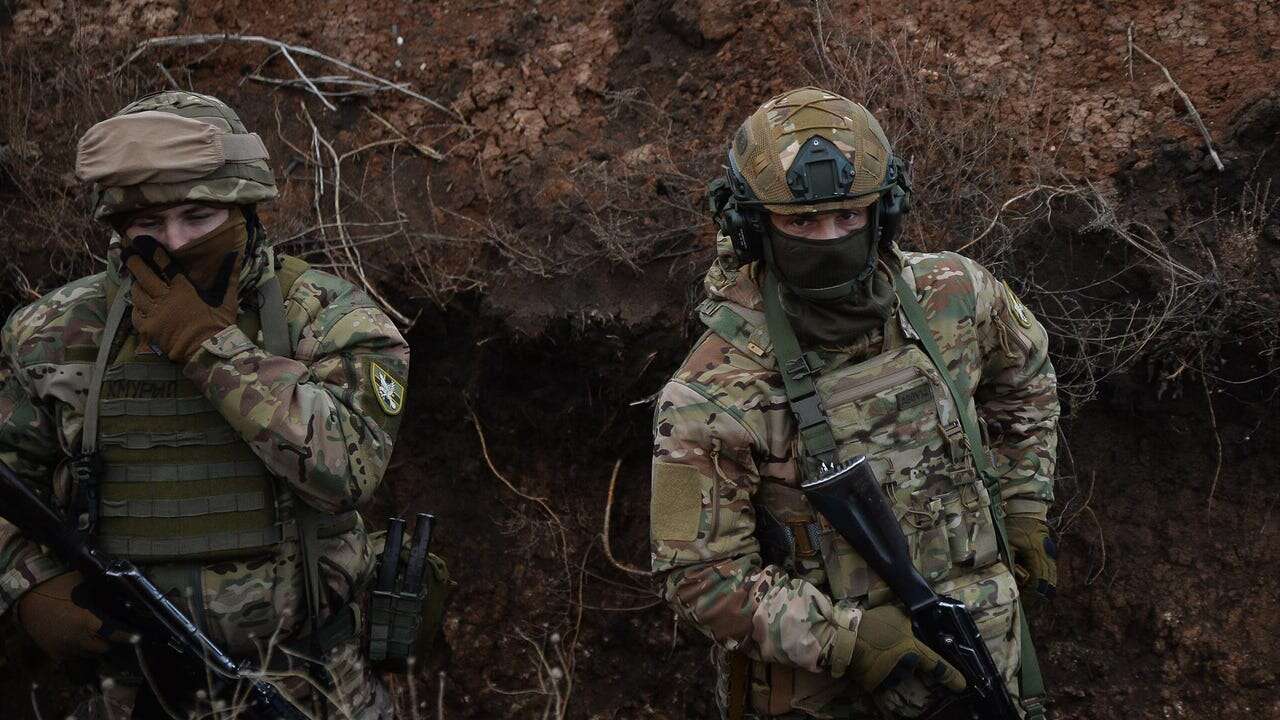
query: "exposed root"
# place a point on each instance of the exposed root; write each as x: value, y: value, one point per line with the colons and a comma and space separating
x: 604, y: 534
x: 1191, y: 108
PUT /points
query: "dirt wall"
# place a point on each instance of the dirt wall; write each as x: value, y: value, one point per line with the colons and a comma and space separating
x: 542, y: 239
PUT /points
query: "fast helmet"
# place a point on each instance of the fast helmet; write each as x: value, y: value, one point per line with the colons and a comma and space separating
x: 808, y: 150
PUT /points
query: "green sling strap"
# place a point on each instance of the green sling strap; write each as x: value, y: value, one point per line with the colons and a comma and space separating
x: 115, y: 315
x: 322, y: 636
x: 818, y: 441
x: 798, y: 370
x: 1030, y: 680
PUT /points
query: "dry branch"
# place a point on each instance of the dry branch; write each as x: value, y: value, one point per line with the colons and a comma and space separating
x: 287, y: 50
x: 604, y: 534
x: 1191, y: 108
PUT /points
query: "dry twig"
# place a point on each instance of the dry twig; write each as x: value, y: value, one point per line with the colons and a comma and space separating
x: 604, y: 534
x: 287, y: 50
x: 1191, y: 108
x: 540, y: 502
x: 1217, y: 438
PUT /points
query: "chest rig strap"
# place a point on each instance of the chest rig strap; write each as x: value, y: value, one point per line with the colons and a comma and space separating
x: 1030, y: 679
x: 322, y: 636
x: 86, y: 468
x: 817, y: 441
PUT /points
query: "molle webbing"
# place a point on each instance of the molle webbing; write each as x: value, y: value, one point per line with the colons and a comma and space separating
x: 178, y: 482
x: 179, y: 473
x: 199, y: 546
x: 137, y: 440
x: 184, y: 507
x: 154, y: 408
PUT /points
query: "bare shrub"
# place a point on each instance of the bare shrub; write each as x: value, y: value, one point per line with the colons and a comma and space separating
x: 640, y: 207
x: 962, y: 167
x: 43, y: 207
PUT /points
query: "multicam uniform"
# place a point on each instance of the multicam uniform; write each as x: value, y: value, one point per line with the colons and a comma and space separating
x: 213, y: 470
x: 726, y: 479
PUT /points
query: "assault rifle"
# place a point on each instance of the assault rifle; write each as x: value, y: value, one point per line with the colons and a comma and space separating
x: 169, y: 642
x: 850, y: 498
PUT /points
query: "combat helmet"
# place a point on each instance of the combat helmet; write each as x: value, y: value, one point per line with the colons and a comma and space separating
x: 807, y: 150
x: 173, y: 147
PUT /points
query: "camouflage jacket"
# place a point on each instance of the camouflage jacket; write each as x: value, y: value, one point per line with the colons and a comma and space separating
x: 313, y: 419
x: 723, y: 433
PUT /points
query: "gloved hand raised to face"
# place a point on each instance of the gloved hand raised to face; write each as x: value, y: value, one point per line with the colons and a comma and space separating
x: 886, y: 652
x: 63, y: 629
x: 1034, y: 552
x: 170, y: 311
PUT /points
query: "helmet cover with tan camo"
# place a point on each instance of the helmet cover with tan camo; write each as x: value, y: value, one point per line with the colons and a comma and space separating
x: 173, y: 147
x: 804, y: 151
x: 809, y: 150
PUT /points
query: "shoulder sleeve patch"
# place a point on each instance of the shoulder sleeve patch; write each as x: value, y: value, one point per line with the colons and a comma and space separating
x: 675, y: 508
x: 1016, y: 308
x: 388, y: 390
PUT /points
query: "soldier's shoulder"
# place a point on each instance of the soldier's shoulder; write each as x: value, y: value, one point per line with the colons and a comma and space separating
x: 717, y: 368
x: 69, y: 316
x: 946, y: 269
x: 324, y: 297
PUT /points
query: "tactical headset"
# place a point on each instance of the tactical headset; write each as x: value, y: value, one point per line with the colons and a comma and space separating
x: 820, y: 173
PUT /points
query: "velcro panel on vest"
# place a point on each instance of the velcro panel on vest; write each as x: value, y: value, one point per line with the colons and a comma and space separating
x: 178, y: 483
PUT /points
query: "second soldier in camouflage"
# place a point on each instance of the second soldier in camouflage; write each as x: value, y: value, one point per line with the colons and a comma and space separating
x: 801, y: 627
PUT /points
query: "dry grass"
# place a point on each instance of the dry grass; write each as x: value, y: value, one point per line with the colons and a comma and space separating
x: 46, y: 213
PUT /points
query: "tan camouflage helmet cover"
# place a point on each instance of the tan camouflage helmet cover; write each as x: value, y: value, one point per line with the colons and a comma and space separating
x: 767, y: 143
x: 173, y: 147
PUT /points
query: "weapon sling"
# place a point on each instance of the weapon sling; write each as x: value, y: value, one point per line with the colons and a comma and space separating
x: 818, y: 441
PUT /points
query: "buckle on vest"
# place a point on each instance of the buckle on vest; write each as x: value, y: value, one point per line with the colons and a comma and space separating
x: 1034, y: 708
x: 86, y: 470
x: 804, y: 366
x: 808, y: 411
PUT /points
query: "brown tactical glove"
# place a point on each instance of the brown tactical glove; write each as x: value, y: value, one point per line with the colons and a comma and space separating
x: 171, y: 312
x: 887, y: 652
x: 61, y: 628
x: 1034, y: 552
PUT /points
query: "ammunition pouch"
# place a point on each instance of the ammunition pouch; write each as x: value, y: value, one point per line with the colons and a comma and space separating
x: 403, y: 623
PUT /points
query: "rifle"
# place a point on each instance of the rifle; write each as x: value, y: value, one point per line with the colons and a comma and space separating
x: 849, y: 497
x: 120, y: 591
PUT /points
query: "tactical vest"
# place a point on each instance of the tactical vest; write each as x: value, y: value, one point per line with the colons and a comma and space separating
x: 175, y: 481
x: 900, y: 410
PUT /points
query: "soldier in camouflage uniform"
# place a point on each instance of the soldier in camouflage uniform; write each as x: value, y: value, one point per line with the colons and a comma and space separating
x: 801, y: 627
x: 235, y: 407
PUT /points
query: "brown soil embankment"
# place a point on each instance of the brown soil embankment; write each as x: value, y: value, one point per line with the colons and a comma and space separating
x: 549, y: 258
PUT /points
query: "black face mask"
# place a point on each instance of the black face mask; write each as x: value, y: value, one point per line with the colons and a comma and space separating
x: 822, y: 270
x: 832, y: 293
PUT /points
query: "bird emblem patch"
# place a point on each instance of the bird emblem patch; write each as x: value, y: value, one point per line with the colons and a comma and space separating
x: 389, y: 391
x: 1017, y: 308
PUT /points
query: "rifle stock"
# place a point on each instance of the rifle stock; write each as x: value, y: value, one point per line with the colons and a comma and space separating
x: 849, y: 497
